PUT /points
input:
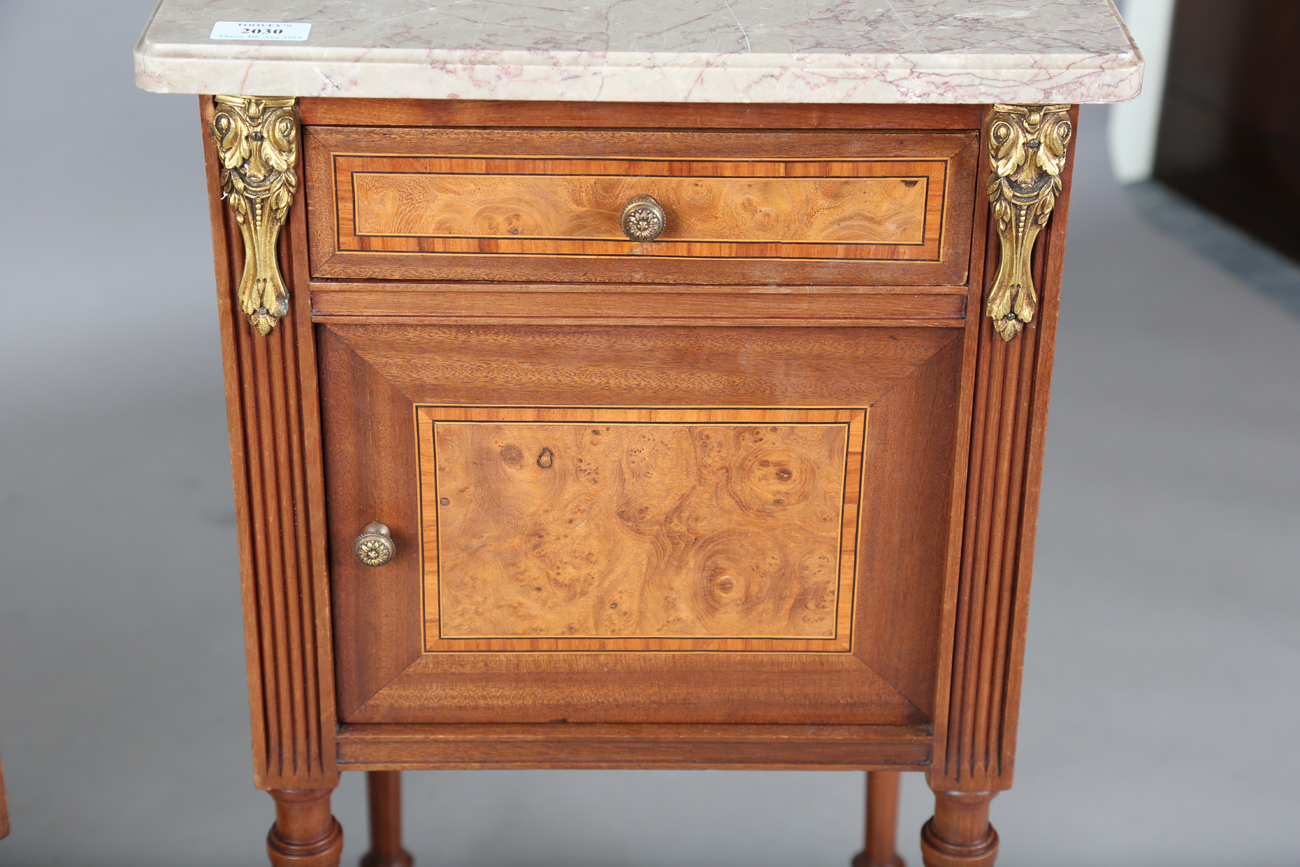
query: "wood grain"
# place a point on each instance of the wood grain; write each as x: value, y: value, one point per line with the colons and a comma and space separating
x: 660, y: 366
x: 585, y: 526
x: 411, y: 304
x: 988, y: 611
x: 375, y: 376
x: 272, y: 408
x: 626, y: 687
x: 697, y: 115
x: 372, y: 475
x: 882, y: 821
x: 959, y: 834
x: 571, y: 745
x: 384, y: 804
x: 844, y: 210
x: 816, y: 208
x: 828, y: 285
x: 905, y: 552
x: 304, y: 833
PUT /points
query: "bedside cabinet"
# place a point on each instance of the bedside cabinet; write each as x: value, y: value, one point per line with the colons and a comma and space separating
x: 633, y: 434
x: 756, y: 493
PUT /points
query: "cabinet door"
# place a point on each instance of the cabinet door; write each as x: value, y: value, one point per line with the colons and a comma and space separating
x: 640, y: 524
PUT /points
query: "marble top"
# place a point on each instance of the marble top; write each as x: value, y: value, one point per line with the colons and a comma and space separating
x: 810, y: 51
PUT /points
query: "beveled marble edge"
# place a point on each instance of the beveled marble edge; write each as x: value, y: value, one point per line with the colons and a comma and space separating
x: 280, y: 69
x: 903, y: 78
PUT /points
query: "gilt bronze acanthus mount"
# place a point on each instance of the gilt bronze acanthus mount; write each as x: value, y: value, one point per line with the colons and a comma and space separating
x: 1027, y: 148
x: 257, y: 142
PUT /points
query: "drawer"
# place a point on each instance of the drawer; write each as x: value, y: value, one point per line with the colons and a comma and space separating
x: 835, y: 208
x: 622, y: 524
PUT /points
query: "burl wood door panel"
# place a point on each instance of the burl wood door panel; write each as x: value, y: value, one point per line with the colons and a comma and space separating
x: 544, y: 205
x: 757, y: 532
x: 638, y: 529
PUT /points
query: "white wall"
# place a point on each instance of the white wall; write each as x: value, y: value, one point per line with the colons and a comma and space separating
x: 1133, y: 125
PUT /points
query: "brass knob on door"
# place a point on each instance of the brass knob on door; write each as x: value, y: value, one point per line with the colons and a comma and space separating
x: 375, y: 546
x: 642, y: 219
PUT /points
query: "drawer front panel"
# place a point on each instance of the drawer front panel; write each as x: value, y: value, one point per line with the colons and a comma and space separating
x: 639, y: 529
x: 866, y: 210
x: 835, y: 208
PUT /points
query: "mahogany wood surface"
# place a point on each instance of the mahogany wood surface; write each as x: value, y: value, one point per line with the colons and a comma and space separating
x: 273, y: 412
x: 454, y: 304
x: 960, y: 835
x: 975, y: 724
x: 585, y: 745
x: 509, y: 204
x: 639, y: 529
x: 384, y: 803
x: 320, y: 111
x: 907, y: 524
x: 304, y: 833
x: 384, y: 675
x: 882, y: 821
x: 326, y: 413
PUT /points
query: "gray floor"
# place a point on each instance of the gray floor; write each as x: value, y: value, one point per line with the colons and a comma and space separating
x: 1163, y: 674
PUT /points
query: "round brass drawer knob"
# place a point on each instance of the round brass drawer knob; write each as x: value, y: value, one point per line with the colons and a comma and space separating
x: 642, y: 219
x: 375, y: 546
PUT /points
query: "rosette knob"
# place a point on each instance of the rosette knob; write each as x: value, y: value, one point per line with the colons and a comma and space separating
x: 643, y: 219
x: 375, y: 546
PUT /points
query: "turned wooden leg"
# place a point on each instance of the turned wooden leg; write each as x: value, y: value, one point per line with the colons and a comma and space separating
x: 960, y: 835
x: 882, y: 821
x: 304, y: 833
x: 384, y: 796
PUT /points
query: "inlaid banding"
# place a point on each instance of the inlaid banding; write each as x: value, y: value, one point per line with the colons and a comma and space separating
x: 644, y: 529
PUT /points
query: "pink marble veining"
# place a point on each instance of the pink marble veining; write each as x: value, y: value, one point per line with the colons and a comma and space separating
x: 811, y: 51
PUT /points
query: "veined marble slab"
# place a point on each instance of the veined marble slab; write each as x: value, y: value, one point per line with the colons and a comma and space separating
x: 808, y: 51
